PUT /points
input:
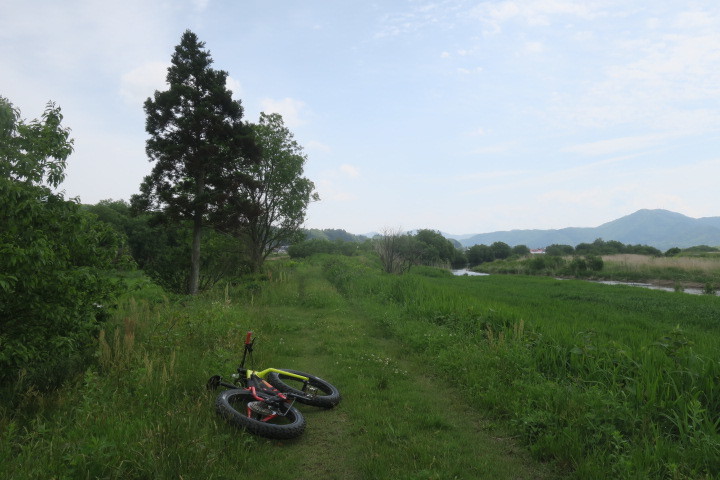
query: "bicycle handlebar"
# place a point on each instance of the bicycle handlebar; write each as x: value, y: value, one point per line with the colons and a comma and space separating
x: 247, y: 338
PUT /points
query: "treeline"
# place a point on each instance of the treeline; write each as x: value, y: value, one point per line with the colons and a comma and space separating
x: 162, y: 249
x: 397, y: 251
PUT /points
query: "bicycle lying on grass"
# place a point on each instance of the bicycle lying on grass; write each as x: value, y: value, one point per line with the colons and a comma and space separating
x: 262, y: 402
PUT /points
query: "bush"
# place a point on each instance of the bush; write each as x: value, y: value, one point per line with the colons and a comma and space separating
x: 54, y: 257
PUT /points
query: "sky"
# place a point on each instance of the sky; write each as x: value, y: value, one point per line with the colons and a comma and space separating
x: 457, y: 116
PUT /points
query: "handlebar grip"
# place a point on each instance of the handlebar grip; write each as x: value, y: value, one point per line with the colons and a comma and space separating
x: 247, y: 338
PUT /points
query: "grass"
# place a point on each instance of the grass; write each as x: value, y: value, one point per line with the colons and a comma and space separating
x: 690, y: 271
x: 442, y: 377
x: 141, y: 411
x: 609, y: 381
x: 679, y: 272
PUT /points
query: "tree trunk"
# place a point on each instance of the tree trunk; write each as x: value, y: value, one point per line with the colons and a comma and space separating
x: 195, y: 256
x: 197, y: 236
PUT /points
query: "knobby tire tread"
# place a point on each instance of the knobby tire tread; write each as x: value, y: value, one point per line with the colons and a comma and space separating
x: 224, y: 407
x: 330, y: 395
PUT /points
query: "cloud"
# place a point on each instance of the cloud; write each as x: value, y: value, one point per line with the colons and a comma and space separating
x: 201, y: 5
x: 139, y: 83
x: 493, y: 149
x: 289, y: 108
x: 534, y: 47
x: 616, y: 145
x: 533, y: 12
x: 234, y: 86
x: 317, y: 146
x: 350, y: 170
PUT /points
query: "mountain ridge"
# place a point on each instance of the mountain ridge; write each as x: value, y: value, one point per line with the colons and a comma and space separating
x: 657, y: 228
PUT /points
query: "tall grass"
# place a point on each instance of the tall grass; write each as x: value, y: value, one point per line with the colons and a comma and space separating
x: 141, y: 409
x: 611, y: 381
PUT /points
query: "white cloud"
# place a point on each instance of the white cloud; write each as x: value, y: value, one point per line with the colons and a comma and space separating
x: 201, y: 5
x: 140, y: 83
x: 350, y: 170
x: 289, y: 108
x: 534, y: 47
x: 234, y: 86
x: 317, y: 146
x: 493, y: 149
x: 534, y: 12
x: 616, y: 145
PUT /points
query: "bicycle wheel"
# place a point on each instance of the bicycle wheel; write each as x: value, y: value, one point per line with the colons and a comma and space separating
x: 241, y: 409
x: 320, y: 394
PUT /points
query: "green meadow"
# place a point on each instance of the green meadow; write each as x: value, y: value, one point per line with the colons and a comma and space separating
x: 442, y: 378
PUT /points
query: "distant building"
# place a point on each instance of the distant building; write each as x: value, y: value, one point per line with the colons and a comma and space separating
x: 537, y: 251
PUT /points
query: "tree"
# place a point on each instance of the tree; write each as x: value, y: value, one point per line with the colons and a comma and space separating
x: 559, y: 250
x: 200, y: 146
x: 397, y: 251
x: 521, y: 250
x: 280, y: 194
x: 53, y: 256
x: 478, y: 254
x: 435, y: 249
x: 501, y: 250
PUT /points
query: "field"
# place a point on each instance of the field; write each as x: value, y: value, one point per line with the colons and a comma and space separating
x: 442, y: 377
x: 683, y: 271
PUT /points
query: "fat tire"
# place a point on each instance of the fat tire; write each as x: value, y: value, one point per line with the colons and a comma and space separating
x: 224, y: 405
x: 330, y: 395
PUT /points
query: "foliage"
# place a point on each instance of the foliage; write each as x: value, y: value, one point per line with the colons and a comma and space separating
x: 435, y: 250
x: 478, y: 254
x: 559, y: 250
x: 54, y: 290
x: 201, y: 149
x: 396, y: 251
x: 601, y: 247
x: 333, y: 234
x: 162, y: 249
x: 317, y: 245
x: 280, y: 194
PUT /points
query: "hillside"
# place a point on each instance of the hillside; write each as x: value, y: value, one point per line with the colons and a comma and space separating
x: 661, y: 229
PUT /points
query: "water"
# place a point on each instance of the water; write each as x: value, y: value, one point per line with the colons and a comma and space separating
x: 692, y: 291
x: 469, y: 273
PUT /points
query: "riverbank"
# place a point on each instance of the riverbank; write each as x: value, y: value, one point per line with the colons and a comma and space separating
x: 689, y: 274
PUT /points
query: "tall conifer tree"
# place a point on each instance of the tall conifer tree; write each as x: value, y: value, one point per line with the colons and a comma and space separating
x: 199, y: 145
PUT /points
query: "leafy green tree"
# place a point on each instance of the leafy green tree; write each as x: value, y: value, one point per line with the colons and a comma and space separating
x: 434, y: 248
x: 162, y: 249
x: 478, y: 254
x: 53, y: 256
x: 201, y: 149
x: 520, y: 250
x: 501, y: 250
x: 459, y: 259
x: 280, y: 194
x: 558, y: 250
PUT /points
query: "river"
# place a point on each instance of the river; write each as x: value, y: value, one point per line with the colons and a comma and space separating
x: 690, y: 290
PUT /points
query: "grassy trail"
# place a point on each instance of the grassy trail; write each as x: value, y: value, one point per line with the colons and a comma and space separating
x: 143, y: 411
x: 396, y: 420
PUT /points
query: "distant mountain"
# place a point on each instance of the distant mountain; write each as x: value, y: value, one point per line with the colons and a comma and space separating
x: 661, y: 229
